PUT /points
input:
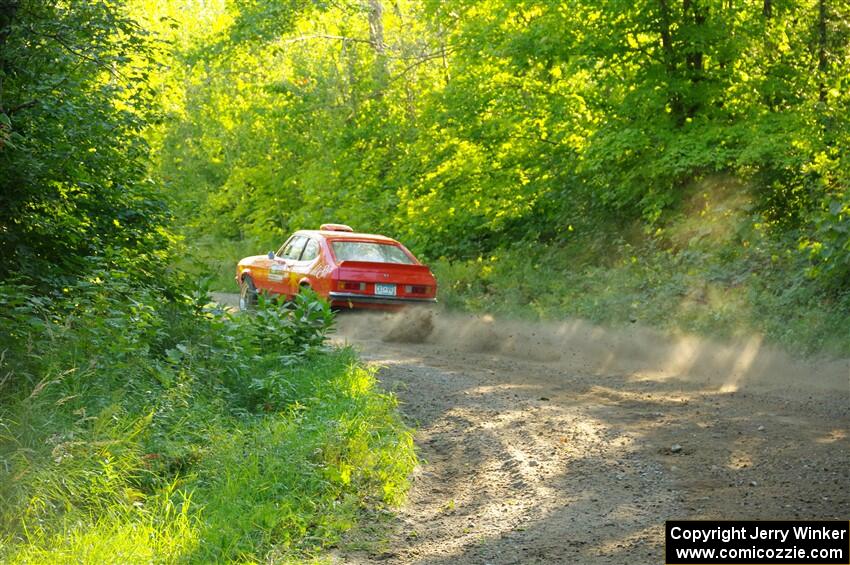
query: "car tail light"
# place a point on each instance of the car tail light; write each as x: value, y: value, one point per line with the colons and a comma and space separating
x: 416, y: 289
x: 352, y: 285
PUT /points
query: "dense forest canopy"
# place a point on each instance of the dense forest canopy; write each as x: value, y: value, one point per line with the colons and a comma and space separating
x: 462, y: 127
x: 139, y: 422
x: 468, y: 126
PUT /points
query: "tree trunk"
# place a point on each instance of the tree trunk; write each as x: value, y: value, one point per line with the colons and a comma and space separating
x: 666, y: 43
x: 822, y: 54
x: 444, y: 58
x: 674, y: 98
x: 376, y: 39
x: 8, y: 8
x: 376, y: 25
x: 696, y: 58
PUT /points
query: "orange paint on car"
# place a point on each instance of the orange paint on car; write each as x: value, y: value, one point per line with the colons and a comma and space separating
x: 349, y: 269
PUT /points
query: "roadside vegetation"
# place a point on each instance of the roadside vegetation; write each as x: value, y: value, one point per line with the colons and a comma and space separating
x: 137, y: 431
x: 139, y: 423
x: 710, y: 270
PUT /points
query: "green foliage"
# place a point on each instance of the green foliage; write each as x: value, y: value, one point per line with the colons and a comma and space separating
x: 74, y: 100
x: 469, y: 128
x: 139, y: 423
x: 142, y: 430
x: 710, y: 272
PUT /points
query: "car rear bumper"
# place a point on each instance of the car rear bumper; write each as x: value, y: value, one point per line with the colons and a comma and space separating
x: 346, y: 298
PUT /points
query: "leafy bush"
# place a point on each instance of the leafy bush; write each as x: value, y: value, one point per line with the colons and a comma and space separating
x: 142, y: 430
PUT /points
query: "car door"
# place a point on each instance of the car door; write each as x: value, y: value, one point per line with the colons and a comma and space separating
x: 303, y: 267
x: 281, y: 269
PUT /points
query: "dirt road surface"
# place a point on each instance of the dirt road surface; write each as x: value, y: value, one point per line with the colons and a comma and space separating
x: 569, y: 443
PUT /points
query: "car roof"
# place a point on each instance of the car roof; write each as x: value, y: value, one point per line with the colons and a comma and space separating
x: 333, y: 234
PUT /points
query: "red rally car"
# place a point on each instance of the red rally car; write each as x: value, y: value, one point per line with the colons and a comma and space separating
x: 350, y: 270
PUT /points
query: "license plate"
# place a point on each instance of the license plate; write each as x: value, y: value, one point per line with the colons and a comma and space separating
x: 384, y: 289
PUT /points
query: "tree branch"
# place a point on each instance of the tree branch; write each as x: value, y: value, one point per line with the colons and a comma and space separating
x: 19, y: 107
x: 81, y: 54
x: 326, y: 36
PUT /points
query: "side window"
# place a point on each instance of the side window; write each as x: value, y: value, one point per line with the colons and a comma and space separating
x: 284, y: 247
x: 311, y: 250
x: 292, y: 250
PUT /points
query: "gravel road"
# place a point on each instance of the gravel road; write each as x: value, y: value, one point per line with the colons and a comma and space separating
x: 573, y: 444
x: 570, y: 443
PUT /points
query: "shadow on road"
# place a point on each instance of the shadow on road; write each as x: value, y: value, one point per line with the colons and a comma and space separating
x: 548, y: 462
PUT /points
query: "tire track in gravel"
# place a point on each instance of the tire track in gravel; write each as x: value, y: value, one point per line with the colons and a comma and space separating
x: 543, y: 462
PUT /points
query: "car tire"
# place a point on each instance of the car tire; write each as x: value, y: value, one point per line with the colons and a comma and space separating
x: 247, y: 294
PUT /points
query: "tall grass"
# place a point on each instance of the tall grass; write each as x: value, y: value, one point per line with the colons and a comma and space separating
x: 135, y: 430
x: 725, y: 290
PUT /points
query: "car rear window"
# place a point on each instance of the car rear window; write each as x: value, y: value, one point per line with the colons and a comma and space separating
x: 369, y: 251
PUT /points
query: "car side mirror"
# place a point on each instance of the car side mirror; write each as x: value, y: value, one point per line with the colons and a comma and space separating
x: 271, y: 254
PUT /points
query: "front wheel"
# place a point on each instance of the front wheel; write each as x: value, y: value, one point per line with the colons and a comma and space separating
x: 247, y: 294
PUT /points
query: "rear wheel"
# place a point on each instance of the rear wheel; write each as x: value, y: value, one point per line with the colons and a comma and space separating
x: 247, y: 294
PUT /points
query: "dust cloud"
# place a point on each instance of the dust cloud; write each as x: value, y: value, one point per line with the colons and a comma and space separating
x: 640, y: 353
